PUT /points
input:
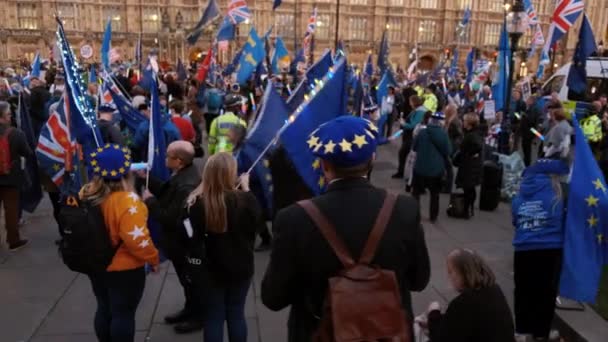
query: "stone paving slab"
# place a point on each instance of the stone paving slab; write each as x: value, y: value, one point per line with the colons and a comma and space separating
x: 42, y: 301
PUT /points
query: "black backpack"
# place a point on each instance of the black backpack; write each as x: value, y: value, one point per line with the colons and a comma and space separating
x: 86, y: 246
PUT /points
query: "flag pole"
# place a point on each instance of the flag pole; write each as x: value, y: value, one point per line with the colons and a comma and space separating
x: 337, y: 33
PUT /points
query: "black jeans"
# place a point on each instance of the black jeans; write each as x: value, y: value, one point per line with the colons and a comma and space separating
x: 420, y: 183
x: 470, y: 195
x: 194, y: 303
x: 118, y: 295
x: 536, y: 278
x: 406, y: 145
x: 526, y: 146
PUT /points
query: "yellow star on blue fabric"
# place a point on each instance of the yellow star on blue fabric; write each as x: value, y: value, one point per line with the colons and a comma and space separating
x: 360, y: 140
x: 599, y: 185
x: 313, y: 141
x: 600, y: 238
x: 346, y: 146
x: 592, y: 201
x: 316, y: 164
x: 329, y: 147
x: 592, y: 221
x: 321, y: 182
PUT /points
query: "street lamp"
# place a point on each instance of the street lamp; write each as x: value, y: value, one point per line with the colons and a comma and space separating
x: 517, y: 24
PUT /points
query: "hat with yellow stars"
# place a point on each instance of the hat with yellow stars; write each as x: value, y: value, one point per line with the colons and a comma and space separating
x: 111, y: 162
x: 346, y: 141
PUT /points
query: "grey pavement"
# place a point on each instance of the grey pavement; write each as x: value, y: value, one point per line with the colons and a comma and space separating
x: 42, y: 301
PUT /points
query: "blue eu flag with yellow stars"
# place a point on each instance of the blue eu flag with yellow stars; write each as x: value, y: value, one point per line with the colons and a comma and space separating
x: 324, y: 105
x: 253, y: 54
x: 586, y: 231
x: 272, y: 118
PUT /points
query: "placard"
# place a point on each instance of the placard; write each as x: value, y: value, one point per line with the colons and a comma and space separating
x: 86, y: 51
x: 489, y: 110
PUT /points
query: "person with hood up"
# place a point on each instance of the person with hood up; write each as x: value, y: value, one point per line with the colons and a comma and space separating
x: 538, y: 216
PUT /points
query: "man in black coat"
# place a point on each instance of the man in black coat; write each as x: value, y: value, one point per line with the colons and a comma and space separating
x: 165, y: 202
x: 302, y: 261
x: 39, y: 97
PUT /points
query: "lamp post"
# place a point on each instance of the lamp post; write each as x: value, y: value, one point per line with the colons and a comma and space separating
x: 517, y: 25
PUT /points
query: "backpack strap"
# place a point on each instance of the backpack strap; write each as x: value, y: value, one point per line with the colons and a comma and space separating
x: 378, y: 231
x: 328, y: 231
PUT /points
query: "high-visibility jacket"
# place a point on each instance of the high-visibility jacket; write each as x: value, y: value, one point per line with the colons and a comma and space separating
x: 218, y: 133
x: 592, y: 128
x: 430, y: 102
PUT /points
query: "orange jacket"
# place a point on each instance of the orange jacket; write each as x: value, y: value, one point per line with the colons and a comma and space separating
x: 126, y: 218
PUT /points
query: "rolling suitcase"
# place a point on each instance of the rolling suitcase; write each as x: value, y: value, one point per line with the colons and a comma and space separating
x: 491, y: 183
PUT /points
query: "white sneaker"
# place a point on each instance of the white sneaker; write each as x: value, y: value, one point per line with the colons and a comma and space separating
x: 554, y: 335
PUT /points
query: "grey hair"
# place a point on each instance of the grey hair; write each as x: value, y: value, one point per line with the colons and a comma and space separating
x: 4, y: 107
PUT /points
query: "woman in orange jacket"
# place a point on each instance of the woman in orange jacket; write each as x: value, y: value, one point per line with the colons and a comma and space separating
x: 119, y: 289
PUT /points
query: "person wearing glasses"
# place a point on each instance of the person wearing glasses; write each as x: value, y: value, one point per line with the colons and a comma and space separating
x: 165, y: 202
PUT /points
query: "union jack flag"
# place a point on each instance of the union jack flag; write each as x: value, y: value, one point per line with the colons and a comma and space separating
x: 238, y: 11
x: 532, y: 16
x: 310, y: 29
x: 56, y: 147
x: 565, y: 14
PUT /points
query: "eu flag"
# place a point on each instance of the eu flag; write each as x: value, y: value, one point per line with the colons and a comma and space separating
x: 211, y: 12
x: 157, y: 147
x: 499, y: 90
x: 315, y: 72
x: 129, y: 115
x: 586, y: 231
x: 577, y: 76
x: 280, y: 53
x: 106, y: 45
x: 383, y: 62
x: 273, y: 116
x: 324, y: 106
x: 469, y: 64
x: 31, y: 194
x: 36, y: 66
x: 368, y: 70
x: 230, y: 68
x: 253, y: 54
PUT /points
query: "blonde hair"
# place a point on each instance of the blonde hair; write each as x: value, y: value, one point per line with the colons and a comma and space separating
x: 219, y: 177
x: 98, y: 189
x: 475, y: 273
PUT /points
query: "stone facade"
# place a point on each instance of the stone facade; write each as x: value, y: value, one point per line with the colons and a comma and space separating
x: 29, y: 25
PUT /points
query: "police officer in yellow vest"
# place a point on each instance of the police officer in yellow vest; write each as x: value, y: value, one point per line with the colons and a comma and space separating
x: 592, y: 127
x: 430, y: 100
x: 218, y: 133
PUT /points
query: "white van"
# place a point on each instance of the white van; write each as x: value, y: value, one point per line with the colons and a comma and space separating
x: 597, y: 82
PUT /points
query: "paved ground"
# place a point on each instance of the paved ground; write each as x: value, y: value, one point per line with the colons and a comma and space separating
x: 42, y: 301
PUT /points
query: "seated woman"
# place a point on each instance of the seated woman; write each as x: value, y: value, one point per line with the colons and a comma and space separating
x: 480, y: 313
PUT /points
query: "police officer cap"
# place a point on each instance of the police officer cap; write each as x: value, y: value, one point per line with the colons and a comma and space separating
x: 232, y: 100
x: 111, y: 162
x: 346, y: 141
x: 106, y: 108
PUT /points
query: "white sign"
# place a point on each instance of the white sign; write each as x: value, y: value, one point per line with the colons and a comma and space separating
x: 86, y: 51
x: 489, y: 110
x: 526, y: 89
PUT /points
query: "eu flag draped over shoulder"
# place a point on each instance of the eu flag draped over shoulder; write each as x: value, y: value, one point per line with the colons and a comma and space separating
x: 586, y: 230
x: 272, y: 117
x: 211, y: 12
x: 157, y: 147
x: 31, y: 193
x: 327, y: 104
x: 253, y: 54
x: 577, y: 76
x: 499, y: 90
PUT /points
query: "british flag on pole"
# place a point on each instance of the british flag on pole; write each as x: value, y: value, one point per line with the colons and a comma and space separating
x: 310, y: 29
x: 238, y: 11
x: 565, y: 14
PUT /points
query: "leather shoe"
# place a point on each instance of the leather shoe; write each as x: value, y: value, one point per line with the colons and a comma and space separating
x: 178, y: 317
x: 189, y: 326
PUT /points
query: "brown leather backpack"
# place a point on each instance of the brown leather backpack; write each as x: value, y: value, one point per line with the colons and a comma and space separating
x: 363, y: 302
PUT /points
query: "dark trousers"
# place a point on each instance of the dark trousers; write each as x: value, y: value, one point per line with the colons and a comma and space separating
x: 536, y: 276
x: 406, y: 145
x: 265, y: 235
x: 55, y: 198
x: 192, y: 293
x: 470, y: 195
x: 9, y: 197
x: 420, y: 183
x: 208, y: 120
x: 226, y: 304
x: 118, y: 295
x: 390, y: 120
x: 526, y: 146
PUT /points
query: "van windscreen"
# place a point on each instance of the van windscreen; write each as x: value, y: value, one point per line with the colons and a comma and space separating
x: 595, y: 87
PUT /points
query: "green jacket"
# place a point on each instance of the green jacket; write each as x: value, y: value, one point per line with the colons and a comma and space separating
x: 432, y: 147
x: 218, y: 133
